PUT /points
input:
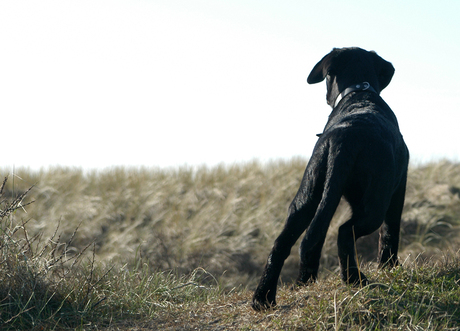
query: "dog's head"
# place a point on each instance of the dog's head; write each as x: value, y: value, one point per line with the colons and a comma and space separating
x: 343, y: 67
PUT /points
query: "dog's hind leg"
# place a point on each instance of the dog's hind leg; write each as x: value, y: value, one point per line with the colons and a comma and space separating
x: 301, y: 212
x: 313, y: 241
x: 309, y: 261
x: 389, y: 232
x: 359, y: 225
x: 265, y: 294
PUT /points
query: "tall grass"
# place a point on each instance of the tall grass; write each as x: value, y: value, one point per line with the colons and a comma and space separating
x: 122, y: 244
x: 45, y: 283
x: 223, y: 219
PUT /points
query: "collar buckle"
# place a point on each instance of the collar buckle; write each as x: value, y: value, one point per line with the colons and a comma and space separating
x: 364, y: 86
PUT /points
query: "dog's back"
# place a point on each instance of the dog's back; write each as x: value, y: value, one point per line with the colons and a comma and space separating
x: 364, y: 127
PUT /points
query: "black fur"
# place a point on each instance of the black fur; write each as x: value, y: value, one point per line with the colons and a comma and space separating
x: 361, y: 155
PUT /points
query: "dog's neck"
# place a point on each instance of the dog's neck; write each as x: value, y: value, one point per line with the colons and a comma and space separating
x: 364, y: 86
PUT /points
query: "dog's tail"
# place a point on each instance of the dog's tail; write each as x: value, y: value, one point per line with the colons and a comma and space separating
x: 338, y: 172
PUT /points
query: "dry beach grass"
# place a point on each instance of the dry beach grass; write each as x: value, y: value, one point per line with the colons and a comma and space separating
x: 183, y: 248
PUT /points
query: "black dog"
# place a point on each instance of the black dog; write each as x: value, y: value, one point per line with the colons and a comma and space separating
x: 361, y: 155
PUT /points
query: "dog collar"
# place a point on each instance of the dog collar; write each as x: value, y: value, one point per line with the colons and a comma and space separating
x: 364, y: 86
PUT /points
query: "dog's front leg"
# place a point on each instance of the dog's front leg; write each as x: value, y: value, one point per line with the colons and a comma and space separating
x: 389, y: 232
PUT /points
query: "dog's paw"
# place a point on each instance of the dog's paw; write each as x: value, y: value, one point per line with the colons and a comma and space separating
x: 301, y: 284
x: 356, y: 279
x: 263, y: 300
x: 261, y: 305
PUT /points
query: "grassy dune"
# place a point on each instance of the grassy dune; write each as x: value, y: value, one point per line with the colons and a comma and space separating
x: 183, y: 248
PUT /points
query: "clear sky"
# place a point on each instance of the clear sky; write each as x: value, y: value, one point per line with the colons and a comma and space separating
x: 96, y: 84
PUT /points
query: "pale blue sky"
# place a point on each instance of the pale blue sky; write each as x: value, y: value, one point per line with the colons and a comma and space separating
x: 96, y: 84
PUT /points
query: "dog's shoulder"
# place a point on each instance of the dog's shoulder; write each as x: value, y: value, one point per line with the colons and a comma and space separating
x: 364, y: 114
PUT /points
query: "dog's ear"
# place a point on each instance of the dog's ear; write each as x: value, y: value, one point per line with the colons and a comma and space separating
x: 384, y: 69
x: 321, y: 69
